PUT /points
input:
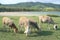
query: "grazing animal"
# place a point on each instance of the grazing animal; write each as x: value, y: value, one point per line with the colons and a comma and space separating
x: 27, y: 22
x: 8, y: 22
x: 24, y: 21
x: 47, y: 19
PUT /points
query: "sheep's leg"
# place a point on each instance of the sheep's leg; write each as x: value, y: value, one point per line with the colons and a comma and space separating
x: 48, y: 26
x: 27, y: 30
x: 9, y: 29
x: 4, y: 26
x: 20, y: 27
x: 25, y: 26
x: 40, y: 24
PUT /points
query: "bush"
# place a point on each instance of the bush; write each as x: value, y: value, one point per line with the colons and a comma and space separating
x: 53, y: 15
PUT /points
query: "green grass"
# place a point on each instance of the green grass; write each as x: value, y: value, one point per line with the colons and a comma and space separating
x: 45, y: 34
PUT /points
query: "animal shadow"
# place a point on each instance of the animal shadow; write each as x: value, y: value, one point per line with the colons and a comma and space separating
x: 4, y: 30
x: 58, y: 28
x: 42, y: 33
x: 21, y: 32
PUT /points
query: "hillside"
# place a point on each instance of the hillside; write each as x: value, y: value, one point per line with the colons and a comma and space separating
x: 30, y: 6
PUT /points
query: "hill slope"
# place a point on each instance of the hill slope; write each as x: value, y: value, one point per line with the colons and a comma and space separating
x: 35, y: 4
x: 32, y: 5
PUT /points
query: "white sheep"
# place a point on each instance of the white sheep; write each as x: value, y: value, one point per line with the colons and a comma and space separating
x: 8, y: 22
x: 47, y: 19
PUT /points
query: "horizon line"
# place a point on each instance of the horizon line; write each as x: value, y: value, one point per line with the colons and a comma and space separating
x: 28, y: 2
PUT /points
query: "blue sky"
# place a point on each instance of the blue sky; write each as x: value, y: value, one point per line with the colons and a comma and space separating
x: 17, y: 1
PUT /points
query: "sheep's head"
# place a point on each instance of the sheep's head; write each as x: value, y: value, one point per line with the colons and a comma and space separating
x: 55, y: 26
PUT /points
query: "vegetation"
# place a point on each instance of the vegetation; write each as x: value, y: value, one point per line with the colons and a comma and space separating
x: 30, y: 6
x: 53, y: 15
x: 45, y: 34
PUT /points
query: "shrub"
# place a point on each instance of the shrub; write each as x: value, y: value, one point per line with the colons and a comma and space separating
x: 53, y: 15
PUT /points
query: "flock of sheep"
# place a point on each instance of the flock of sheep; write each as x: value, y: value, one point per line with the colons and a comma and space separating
x: 27, y: 23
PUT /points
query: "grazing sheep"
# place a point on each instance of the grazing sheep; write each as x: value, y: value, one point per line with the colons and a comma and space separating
x: 47, y: 19
x: 24, y: 21
x: 8, y: 22
x: 27, y: 22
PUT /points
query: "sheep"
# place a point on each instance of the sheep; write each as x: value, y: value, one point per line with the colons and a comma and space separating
x: 27, y: 22
x: 8, y: 22
x: 24, y: 21
x: 47, y: 19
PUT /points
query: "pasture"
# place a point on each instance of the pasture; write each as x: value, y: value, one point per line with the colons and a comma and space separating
x: 45, y: 34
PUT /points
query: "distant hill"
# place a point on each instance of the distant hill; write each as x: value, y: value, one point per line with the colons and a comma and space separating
x: 32, y: 6
x: 35, y: 4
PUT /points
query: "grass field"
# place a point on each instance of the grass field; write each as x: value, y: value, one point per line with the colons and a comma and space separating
x: 45, y: 34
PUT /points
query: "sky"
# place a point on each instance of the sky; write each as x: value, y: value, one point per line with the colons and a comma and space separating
x: 18, y: 1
